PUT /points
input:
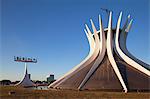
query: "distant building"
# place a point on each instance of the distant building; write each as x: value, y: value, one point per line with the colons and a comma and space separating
x: 29, y: 76
x: 50, y: 78
x: 26, y: 81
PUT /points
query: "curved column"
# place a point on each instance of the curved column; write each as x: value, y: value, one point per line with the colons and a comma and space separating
x: 110, y: 53
x: 25, y: 80
x: 124, y: 56
x: 100, y: 57
x: 123, y: 37
x: 92, y: 47
x: 89, y: 60
x: 122, y: 42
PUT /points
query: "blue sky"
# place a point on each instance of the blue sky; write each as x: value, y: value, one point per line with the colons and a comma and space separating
x: 52, y: 32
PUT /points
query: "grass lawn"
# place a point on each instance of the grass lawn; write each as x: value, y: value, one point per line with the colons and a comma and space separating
x: 25, y: 93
